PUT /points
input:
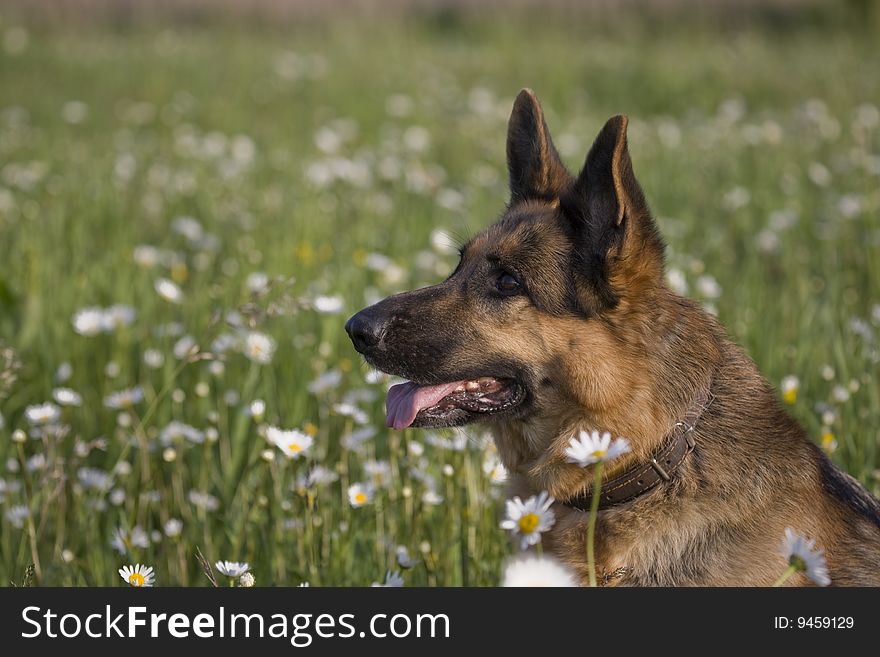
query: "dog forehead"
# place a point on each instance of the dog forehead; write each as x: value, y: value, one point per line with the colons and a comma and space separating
x: 526, y: 230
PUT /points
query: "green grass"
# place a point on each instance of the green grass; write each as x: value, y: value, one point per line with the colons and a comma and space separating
x: 728, y: 129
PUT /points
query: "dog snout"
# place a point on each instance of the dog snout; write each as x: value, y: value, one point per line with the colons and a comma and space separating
x: 365, y: 330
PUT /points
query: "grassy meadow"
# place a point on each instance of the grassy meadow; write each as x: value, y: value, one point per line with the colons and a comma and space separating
x: 189, y: 214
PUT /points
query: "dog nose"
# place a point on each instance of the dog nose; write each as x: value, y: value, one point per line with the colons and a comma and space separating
x: 365, y: 331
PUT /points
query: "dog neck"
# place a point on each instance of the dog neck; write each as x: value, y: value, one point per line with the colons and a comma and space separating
x: 640, y: 478
x: 542, y: 466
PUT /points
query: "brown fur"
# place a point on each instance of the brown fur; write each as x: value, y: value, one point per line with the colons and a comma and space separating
x: 599, y: 342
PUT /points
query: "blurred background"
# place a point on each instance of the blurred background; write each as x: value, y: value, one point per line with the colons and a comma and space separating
x: 195, y: 195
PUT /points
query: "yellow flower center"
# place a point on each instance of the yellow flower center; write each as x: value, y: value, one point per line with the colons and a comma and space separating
x: 360, y: 498
x: 790, y: 396
x: 136, y: 579
x: 528, y: 523
x: 829, y: 443
x: 295, y: 448
x: 600, y: 453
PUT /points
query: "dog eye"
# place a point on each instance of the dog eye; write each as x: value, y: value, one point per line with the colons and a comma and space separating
x: 507, y: 284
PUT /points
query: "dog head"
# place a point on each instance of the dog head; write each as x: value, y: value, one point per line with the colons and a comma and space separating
x: 549, y: 309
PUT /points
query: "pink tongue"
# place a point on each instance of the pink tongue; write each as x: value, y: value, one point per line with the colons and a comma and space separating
x: 405, y: 400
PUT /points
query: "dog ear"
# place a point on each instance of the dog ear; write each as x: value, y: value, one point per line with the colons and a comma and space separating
x: 619, y: 249
x: 536, y: 172
x: 607, y: 183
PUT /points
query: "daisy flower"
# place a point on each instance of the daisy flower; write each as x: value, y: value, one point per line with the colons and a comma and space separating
x: 790, y: 386
x: 168, y: 290
x: 257, y: 409
x: 138, y: 575
x: 359, y: 495
x: 203, y: 500
x: 176, y: 431
x: 42, y: 414
x: 118, y: 316
x: 803, y: 556
x: 123, y: 541
x: 379, y: 473
x: 403, y: 558
x: 829, y: 442
x: 95, y: 479
x: 67, y: 397
x: 16, y: 515
x: 246, y: 581
x: 392, y: 580
x: 536, y: 571
x: 90, y: 321
x: 318, y: 476
x: 325, y: 382
x: 258, y: 347
x: 529, y: 519
x: 124, y: 398
x: 173, y: 527
x: 589, y: 448
x: 232, y: 568
x: 328, y: 305
x: 293, y: 443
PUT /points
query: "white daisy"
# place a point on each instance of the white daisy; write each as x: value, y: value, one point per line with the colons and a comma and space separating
x: 432, y: 498
x: 359, y: 495
x: 379, y: 473
x: 494, y: 469
x: 67, y: 397
x: 293, y: 443
x: 138, y: 575
x: 328, y: 305
x: 123, y: 541
x: 352, y: 411
x: 257, y: 282
x: 589, y: 447
x: 536, y: 571
x: 802, y: 553
x: 257, y: 409
x: 154, y: 359
x: 89, y: 321
x: 203, y: 500
x: 317, y: 476
x: 124, y: 398
x: 403, y: 558
x: 173, y: 527
x: 232, y: 568
x: 355, y: 440
x: 529, y: 519
x: 168, y: 290
x: 16, y: 515
x: 258, y: 347
x: 246, y: 581
x: 392, y: 580
x: 790, y: 386
x: 118, y: 316
x: 63, y: 373
x: 325, y: 382
x: 42, y: 414
x: 176, y: 431
x: 95, y: 479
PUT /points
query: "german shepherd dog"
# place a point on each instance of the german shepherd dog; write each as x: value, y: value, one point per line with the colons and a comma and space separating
x: 556, y: 320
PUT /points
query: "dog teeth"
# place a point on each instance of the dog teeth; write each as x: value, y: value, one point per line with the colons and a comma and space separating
x: 459, y: 389
x: 472, y: 386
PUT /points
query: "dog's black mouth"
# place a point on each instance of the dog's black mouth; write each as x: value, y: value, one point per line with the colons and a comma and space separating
x: 452, y: 404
